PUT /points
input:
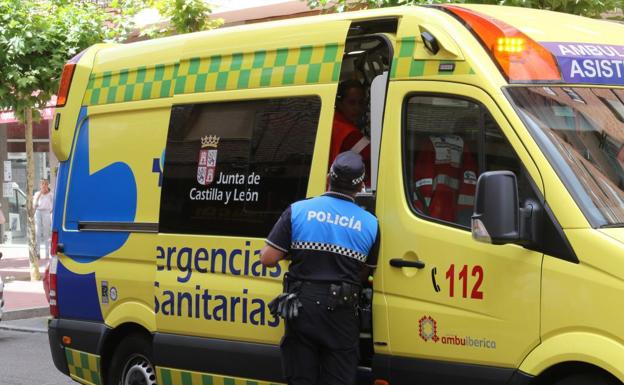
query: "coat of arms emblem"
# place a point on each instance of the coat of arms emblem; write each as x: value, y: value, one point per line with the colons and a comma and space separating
x: 207, y: 164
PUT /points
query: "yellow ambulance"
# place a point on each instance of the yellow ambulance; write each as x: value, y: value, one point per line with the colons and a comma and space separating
x: 496, y: 173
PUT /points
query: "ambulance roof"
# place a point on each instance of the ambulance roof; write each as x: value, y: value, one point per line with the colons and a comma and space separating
x: 570, y: 39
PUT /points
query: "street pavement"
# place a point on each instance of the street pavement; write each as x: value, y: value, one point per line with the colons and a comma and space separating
x: 25, y: 359
x: 24, y: 347
x: 22, y: 298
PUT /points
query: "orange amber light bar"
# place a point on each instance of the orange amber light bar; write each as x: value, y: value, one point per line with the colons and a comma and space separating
x: 520, y: 58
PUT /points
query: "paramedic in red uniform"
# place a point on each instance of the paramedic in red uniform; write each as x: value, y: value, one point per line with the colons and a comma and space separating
x: 445, y: 179
x: 350, y: 107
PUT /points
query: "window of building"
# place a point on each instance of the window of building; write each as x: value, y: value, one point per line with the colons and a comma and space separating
x: 448, y: 143
x: 231, y: 168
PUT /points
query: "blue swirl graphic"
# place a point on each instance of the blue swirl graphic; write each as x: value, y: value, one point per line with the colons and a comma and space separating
x: 108, y: 195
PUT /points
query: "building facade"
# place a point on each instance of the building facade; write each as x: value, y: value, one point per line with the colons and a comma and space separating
x: 13, y: 170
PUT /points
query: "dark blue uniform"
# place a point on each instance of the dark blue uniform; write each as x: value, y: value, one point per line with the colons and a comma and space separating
x: 328, y: 240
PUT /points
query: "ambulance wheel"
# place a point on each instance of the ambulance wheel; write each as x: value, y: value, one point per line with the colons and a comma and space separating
x: 588, y: 379
x: 132, y: 363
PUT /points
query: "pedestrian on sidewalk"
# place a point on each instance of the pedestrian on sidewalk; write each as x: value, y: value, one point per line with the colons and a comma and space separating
x: 43, y: 217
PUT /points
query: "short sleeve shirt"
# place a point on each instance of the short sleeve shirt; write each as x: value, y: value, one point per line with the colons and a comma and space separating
x: 327, y: 238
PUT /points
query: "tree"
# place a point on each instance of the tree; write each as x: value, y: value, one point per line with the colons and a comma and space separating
x: 36, y: 39
x: 589, y: 8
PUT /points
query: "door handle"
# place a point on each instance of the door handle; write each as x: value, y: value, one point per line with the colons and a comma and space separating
x: 398, y: 262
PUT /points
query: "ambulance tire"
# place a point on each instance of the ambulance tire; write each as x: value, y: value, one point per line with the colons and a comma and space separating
x: 588, y: 379
x: 132, y: 362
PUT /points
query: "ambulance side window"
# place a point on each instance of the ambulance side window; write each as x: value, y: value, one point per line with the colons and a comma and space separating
x: 231, y: 168
x: 448, y: 143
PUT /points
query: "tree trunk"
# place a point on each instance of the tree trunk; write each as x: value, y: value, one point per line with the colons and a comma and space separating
x: 30, y: 175
x: 3, y: 201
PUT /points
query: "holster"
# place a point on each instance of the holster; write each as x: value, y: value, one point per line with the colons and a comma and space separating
x: 291, y: 285
x: 365, y: 310
x: 344, y: 294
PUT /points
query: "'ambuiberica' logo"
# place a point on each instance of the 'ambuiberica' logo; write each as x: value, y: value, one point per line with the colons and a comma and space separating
x: 207, y: 165
x: 428, y: 331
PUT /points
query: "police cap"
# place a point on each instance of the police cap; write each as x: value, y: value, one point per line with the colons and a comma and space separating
x: 347, y: 171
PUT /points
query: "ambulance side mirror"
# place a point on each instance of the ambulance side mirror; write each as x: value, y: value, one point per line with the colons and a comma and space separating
x: 496, y: 217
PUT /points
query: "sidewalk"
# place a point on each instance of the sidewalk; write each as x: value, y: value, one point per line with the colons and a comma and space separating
x: 22, y: 298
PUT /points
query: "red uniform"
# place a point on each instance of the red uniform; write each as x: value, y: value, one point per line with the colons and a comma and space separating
x: 445, y: 177
x: 345, y: 137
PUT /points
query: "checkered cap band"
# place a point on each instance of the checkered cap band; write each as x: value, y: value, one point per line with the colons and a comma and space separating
x: 356, y: 181
x: 318, y: 246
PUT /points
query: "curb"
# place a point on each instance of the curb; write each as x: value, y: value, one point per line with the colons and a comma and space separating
x: 22, y: 328
x: 25, y: 313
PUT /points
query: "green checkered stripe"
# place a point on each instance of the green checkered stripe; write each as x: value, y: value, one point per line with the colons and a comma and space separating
x: 272, y: 68
x: 404, y: 65
x: 140, y: 83
x: 83, y: 367
x: 167, y: 376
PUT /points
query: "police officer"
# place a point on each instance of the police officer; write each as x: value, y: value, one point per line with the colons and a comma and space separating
x: 331, y: 243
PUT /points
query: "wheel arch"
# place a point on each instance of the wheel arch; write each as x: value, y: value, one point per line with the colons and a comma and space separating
x: 565, y: 369
x: 573, y: 352
x: 114, y: 337
x: 132, y: 312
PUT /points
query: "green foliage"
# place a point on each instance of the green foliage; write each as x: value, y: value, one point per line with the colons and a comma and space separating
x: 591, y: 8
x: 182, y: 16
x: 120, y: 18
x: 187, y: 15
x: 36, y: 39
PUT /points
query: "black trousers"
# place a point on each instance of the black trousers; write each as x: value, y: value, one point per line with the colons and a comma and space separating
x: 321, y: 346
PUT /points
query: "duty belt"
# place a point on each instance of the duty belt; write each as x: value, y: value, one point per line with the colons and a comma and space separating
x: 332, y: 294
x: 287, y: 304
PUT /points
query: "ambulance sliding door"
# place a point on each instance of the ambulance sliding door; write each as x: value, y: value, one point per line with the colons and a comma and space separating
x: 448, y: 300
x: 249, y: 135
